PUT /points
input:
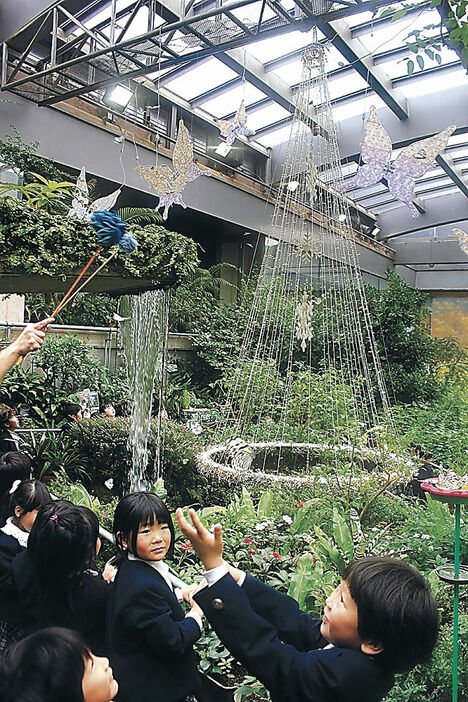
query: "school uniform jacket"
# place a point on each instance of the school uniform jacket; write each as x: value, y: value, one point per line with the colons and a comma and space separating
x: 84, y: 610
x: 10, y: 607
x: 149, y: 638
x: 267, y: 632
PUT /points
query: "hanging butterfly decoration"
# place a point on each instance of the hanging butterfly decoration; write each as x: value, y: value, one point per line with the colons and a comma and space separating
x: 81, y: 207
x: 238, y: 126
x: 169, y: 183
x: 411, y: 163
x: 462, y: 239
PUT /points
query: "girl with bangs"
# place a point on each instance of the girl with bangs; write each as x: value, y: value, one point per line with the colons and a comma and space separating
x: 150, y: 638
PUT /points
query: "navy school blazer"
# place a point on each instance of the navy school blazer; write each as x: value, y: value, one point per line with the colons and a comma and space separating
x: 277, y: 643
x: 149, y: 639
x: 10, y: 607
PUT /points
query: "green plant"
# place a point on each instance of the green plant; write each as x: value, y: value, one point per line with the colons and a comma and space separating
x: 86, y: 309
x: 451, y: 31
x: 33, y: 241
x: 139, y: 215
x: 14, y: 152
x: 52, y: 453
x: 45, y: 194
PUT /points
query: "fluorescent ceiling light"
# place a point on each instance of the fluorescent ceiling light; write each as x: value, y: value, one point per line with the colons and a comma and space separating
x: 341, y: 217
x: 293, y: 185
x: 118, y: 96
x: 223, y: 149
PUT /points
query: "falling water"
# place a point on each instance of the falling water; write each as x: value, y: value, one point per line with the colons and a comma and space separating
x: 144, y: 336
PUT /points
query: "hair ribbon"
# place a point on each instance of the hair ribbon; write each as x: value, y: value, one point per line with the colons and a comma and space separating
x: 14, y: 486
x: 54, y: 518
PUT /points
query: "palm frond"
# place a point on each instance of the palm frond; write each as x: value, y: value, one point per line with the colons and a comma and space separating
x: 139, y: 215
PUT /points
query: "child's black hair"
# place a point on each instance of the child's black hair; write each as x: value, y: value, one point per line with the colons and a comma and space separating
x: 93, y: 522
x: 70, y: 409
x: 14, y: 465
x: 61, y: 548
x: 139, y: 509
x: 29, y: 495
x: 396, y: 610
x: 6, y: 412
x: 47, y: 666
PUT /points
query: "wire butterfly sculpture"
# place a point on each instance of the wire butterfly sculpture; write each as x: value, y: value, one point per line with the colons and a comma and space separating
x: 169, y: 183
x: 411, y: 163
x: 462, y: 239
x: 81, y: 207
x: 238, y: 126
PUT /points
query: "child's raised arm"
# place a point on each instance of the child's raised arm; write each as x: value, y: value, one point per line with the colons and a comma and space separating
x: 209, y: 547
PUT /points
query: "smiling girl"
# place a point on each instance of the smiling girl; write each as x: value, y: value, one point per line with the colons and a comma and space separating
x: 149, y: 637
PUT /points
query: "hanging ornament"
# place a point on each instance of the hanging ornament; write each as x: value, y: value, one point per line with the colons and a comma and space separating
x: 411, y: 163
x: 169, y: 183
x: 238, y: 126
x: 306, y: 247
x: 304, y: 311
x: 81, y: 207
x: 311, y: 178
x: 462, y: 239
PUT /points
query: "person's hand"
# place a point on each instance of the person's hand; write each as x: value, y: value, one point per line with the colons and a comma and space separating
x: 31, y: 338
x: 109, y: 572
x: 188, y: 591
x: 195, y: 609
x: 209, y: 547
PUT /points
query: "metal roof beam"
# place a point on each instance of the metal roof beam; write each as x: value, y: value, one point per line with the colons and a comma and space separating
x: 340, y: 35
x: 453, y: 171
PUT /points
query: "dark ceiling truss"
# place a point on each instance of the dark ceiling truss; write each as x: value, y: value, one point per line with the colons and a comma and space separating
x: 125, y: 55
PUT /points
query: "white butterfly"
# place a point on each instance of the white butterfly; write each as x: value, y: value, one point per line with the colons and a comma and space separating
x: 81, y: 207
x: 238, y: 126
x: 462, y: 239
x: 169, y: 183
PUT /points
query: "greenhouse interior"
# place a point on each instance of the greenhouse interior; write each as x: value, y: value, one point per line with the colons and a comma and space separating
x: 234, y: 351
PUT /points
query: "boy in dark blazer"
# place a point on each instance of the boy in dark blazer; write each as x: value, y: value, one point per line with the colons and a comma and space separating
x: 382, y: 619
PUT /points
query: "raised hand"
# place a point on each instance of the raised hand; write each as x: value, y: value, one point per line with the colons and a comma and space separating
x: 31, y: 338
x: 208, y: 546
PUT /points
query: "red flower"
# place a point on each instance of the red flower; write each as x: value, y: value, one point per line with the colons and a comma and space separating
x: 314, y: 561
x: 252, y: 550
x: 299, y: 504
x: 248, y: 541
x: 186, y: 546
x: 277, y: 556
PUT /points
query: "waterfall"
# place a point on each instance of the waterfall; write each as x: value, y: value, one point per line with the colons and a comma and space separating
x: 144, y: 339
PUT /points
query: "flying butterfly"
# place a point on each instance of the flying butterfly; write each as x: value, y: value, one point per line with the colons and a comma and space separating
x: 81, y: 207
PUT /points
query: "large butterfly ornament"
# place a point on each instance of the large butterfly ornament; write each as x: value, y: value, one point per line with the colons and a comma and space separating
x: 411, y: 163
x: 238, y: 126
x: 169, y: 183
x: 462, y: 239
x: 81, y: 207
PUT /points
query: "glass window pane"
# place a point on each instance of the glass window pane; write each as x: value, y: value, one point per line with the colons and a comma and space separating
x: 208, y: 74
x: 267, y: 115
x: 229, y: 102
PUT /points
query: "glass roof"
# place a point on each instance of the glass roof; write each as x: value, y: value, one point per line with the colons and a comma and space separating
x: 378, y: 42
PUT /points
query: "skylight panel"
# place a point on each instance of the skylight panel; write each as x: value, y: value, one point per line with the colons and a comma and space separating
x: 274, y: 47
x: 207, y: 75
x: 274, y: 138
x: 433, y: 83
x: 360, y: 18
x: 360, y: 106
x: 461, y: 152
x: 228, y: 103
x: 349, y: 83
x: 267, y: 115
x: 291, y: 73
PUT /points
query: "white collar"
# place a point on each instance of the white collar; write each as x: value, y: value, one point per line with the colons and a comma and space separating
x: 12, y: 530
x: 160, y: 566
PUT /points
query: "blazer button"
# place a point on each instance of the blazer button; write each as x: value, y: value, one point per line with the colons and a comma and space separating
x: 217, y: 603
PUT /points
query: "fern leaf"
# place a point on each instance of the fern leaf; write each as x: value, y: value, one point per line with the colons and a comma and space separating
x: 139, y: 215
